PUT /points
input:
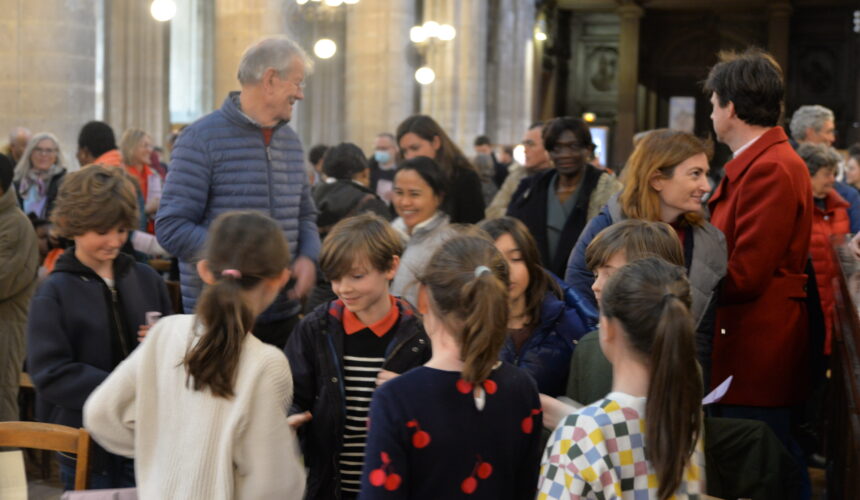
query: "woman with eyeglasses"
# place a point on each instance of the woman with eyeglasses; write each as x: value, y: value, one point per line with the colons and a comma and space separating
x: 557, y: 204
x: 38, y: 175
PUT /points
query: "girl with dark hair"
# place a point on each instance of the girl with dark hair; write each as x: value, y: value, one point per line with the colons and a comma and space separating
x: 420, y: 135
x: 464, y: 423
x: 545, y: 322
x: 202, y: 404
x: 419, y: 191
x: 643, y: 438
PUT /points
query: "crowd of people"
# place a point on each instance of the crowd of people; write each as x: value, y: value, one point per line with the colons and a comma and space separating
x: 417, y: 324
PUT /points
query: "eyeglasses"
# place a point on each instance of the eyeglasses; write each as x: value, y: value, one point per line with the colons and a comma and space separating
x: 44, y: 151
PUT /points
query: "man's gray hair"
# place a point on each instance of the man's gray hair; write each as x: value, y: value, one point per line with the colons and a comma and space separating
x: 811, y: 115
x: 19, y: 131
x: 818, y: 156
x: 274, y: 52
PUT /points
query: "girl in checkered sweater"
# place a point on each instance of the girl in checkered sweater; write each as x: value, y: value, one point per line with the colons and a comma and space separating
x: 646, y: 332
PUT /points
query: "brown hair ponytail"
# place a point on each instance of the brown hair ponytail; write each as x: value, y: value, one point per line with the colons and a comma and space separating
x: 243, y: 248
x: 651, y: 300
x: 467, y: 281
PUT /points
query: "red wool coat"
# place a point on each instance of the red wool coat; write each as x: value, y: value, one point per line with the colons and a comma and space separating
x: 825, y: 223
x: 764, y: 207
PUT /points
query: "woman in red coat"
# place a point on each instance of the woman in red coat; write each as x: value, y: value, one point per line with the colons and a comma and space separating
x: 829, y: 217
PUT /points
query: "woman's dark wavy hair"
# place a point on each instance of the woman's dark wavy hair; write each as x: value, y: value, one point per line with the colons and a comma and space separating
x: 254, y: 245
x: 448, y: 156
x: 651, y: 300
x: 540, y: 281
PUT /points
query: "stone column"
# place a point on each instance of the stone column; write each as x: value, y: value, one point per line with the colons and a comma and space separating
x: 48, y: 56
x: 628, y: 75
x: 778, y: 27
x: 238, y: 24
x: 380, y: 83
x: 458, y: 97
x: 137, y: 69
x: 510, y: 72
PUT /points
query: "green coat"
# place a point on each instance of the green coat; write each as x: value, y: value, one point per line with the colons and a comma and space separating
x: 19, y: 255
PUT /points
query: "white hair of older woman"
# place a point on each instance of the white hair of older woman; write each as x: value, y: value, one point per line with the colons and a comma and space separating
x: 273, y: 52
x: 24, y: 165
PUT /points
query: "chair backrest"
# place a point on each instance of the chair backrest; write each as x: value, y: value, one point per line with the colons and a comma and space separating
x: 51, y: 437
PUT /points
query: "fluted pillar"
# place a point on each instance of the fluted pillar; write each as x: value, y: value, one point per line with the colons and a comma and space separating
x: 509, y: 76
x: 628, y: 76
x: 380, y: 86
x: 137, y: 69
x: 457, y: 99
x: 48, y: 56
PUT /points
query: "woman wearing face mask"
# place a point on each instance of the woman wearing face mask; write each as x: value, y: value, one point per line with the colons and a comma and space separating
x: 664, y: 181
x: 418, y: 196
x: 420, y: 135
x: 38, y: 175
x: 382, y: 164
x: 557, y: 204
x: 545, y: 323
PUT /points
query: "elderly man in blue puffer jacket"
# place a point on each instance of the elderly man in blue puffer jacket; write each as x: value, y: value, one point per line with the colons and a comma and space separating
x: 244, y: 156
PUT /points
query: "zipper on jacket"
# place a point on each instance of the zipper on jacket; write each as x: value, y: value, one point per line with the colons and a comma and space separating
x: 123, y: 342
x: 269, y: 177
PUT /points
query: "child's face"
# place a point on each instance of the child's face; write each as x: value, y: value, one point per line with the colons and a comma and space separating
x: 364, y: 288
x: 96, y: 248
x: 604, y: 272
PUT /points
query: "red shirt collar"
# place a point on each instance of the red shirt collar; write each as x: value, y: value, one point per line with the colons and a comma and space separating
x: 352, y: 324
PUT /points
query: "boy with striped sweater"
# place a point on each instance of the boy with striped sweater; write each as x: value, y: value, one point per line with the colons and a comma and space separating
x: 345, y: 348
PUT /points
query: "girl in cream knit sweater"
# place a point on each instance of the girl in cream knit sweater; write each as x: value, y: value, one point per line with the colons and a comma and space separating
x: 201, y: 404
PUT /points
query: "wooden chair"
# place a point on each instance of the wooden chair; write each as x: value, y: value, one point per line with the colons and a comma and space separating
x: 51, y: 437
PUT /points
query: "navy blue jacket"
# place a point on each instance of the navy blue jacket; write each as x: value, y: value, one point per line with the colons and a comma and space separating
x: 75, y: 335
x: 545, y: 355
x: 315, y: 352
x: 850, y: 194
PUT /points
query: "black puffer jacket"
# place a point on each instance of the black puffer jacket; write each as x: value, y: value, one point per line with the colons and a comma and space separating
x: 341, y: 199
x: 315, y: 351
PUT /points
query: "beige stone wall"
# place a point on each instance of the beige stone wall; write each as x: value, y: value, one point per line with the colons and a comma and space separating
x: 137, y: 69
x: 47, y: 56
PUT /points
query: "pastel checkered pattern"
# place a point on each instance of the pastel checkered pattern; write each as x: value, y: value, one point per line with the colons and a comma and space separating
x: 599, y: 453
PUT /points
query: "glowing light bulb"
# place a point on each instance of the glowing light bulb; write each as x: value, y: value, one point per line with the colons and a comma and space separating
x: 333, y: 3
x: 446, y: 32
x: 325, y: 48
x: 163, y: 10
x: 540, y: 36
x: 432, y: 29
x: 425, y: 75
x: 589, y: 116
x: 417, y: 34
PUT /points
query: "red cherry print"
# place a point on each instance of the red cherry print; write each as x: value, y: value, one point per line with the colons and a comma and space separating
x: 464, y: 387
x: 528, y: 425
x: 490, y: 386
x: 412, y: 423
x: 484, y: 470
x: 469, y: 485
x: 377, y: 477
x: 385, y: 458
x: 393, y: 482
x: 420, y: 439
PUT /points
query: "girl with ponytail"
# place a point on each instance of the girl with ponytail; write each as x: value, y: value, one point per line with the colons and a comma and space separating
x: 202, y: 404
x: 643, y: 438
x: 464, y: 423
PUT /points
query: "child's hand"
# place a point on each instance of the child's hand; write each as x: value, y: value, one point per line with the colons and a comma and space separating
x: 553, y: 411
x: 299, y: 419
x: 142, y: 330
x: 384, y: 376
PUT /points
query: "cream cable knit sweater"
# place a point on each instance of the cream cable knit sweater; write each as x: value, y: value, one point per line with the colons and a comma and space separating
x: 189, y: 444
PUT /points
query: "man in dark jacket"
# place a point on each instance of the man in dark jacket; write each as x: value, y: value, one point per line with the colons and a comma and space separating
x: 19, y: 253
x: 244, y: 156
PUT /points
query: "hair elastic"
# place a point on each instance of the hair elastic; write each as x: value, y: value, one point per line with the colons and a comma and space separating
x: 233, y: 273
x: 481, y: 270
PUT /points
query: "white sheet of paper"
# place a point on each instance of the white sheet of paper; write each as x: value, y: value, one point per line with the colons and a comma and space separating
x: 718, y: 392
x: 13, y: 481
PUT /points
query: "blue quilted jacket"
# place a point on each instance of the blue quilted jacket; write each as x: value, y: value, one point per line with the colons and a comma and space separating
x: 546, y: 354
x: 221, y: 163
